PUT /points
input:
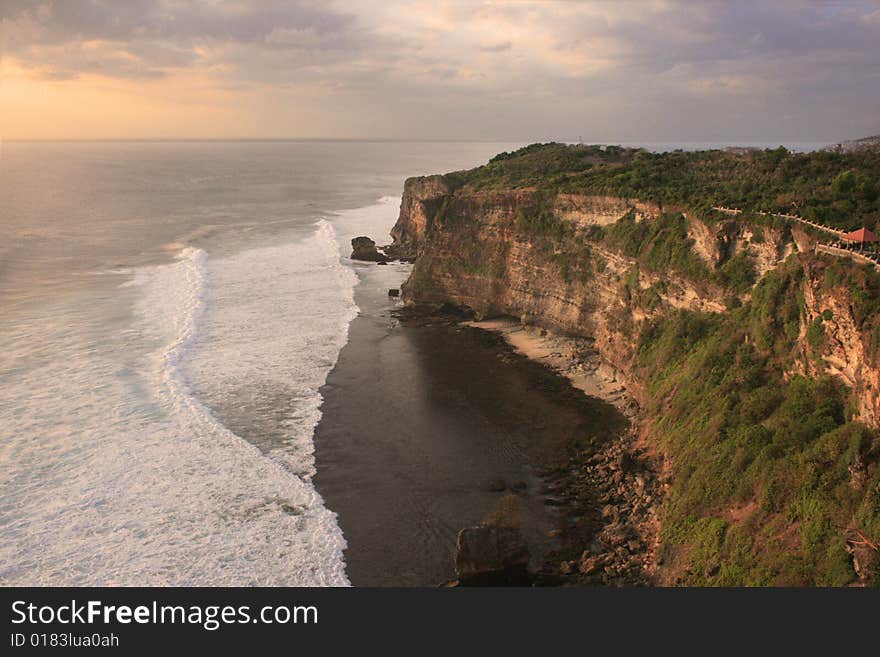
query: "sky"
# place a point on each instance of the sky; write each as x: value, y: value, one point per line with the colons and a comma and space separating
x: 624, y: 71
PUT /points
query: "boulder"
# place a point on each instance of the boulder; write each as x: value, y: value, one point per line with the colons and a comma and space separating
x: 588, y: 564
x: 627, y: 463
x: 363, y: 248
x: 497, y: 486
x: 491, y: 556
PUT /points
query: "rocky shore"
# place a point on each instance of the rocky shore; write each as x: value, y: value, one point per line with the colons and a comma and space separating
x: 754, y: 355
x: 610, y: 494
x: 604, y: 492
x: 572, y: 357
x: 610, y: 532
x: 430, y: 427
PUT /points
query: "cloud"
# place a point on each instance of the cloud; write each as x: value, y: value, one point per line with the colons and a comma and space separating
x: 497, y: 47
x: 160, y: 35
x: 476, y: 68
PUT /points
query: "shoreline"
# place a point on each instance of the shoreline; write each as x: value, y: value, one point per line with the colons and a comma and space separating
x: 568, y: 357
x: 622, y: 480
x: 581, y: 490
x: 422, y: 417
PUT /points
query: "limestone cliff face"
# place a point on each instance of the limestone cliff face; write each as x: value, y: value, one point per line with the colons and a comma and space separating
x: 421, y: 200
x: 769, y: 246
x: 474, y: 249
x: 473, y: 252
x: 601, y: 210
x: 841, y: 348
x: 423, y: 197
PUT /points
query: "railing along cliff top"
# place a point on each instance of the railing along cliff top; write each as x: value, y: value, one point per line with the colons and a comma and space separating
x: 871, y: 259
x: 781, y: 215
x: 721, y: 208
x: 846, y: 253
x: 794, y: 217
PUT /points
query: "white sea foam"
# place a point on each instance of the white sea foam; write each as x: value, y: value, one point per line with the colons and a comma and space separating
x: 277, y: 318
x: 116, y: 473
x: 172, y: 442
x: 374, y: 221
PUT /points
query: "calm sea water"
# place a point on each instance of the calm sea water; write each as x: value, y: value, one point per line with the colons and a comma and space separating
x: 168, y: 312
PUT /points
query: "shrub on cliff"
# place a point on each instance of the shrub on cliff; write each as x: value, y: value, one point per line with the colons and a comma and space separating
x: 762, y: 488
x: 738, y: 273
x: 839, y: 189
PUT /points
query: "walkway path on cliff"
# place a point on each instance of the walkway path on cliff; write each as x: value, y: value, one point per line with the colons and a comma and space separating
x: 829, y: 248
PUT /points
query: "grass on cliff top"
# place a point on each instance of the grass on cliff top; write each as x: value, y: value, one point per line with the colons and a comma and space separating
x: 838, y: 189
x: 763, y: 490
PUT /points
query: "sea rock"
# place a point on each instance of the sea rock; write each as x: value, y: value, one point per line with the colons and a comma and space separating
x: 497, y: 486
x: 588, y: 564
x: 363, y: 248
x: 626, y: 462
x: 491, y: 556
x: 610, y: 511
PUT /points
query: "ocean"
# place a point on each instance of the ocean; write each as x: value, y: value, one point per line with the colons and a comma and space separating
x: 199, y: 387
x: 169, y: 312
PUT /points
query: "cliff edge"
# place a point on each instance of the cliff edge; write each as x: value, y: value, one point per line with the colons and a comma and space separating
x: 755, y: 358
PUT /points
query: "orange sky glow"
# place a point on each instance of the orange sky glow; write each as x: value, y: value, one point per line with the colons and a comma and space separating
x: 653, y: 70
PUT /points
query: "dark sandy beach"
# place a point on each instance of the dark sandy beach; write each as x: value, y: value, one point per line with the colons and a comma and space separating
x: 420, y: 417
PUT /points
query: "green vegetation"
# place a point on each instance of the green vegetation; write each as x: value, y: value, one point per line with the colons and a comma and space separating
x: 560, y: 241
x: 738, y: 273
x: 838, y: 189
x: 862, y: 282
x: 762, y: 490
x: 659, y: 246
x: 541, y: 221
x: 663, y: 246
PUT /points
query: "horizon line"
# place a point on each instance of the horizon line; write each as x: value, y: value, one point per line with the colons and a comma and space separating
x: 246, y: 139
x: 558, y: 139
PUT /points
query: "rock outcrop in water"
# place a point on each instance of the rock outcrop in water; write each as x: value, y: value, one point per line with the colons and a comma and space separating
x: 363, y: 248
x: 491, y: 556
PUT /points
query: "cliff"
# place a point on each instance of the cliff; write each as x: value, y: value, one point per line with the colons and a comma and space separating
x: 419, y: 205
x: 479, y: 251
x: 548, y: 262
x: 740, y: 343
x: 837, y: 338
x: 855, y: 145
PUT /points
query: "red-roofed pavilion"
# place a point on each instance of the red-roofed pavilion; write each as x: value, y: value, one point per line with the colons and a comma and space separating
x: 861, y: 236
